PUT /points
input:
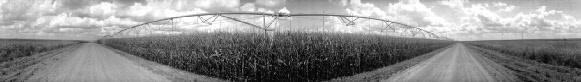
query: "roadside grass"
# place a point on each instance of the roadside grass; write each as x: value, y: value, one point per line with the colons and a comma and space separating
x: 290, y: 56
x: 553, y: 52
x: 19, y: 69
x: 526, y: 69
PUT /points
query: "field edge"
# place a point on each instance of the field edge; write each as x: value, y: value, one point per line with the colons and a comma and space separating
x: 529, y: 70
x: 387, y: 71
x: 170, y: 73
x: 24, y: 67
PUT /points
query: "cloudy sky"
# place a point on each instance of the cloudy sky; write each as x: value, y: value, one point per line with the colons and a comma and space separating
x: 457, y: 19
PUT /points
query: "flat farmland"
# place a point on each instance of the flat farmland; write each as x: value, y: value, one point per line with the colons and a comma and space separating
x: 18, y: 54
x: 15, y: 48
x: 536, y: 60
x: 78, y: 61
x: 289, y: 56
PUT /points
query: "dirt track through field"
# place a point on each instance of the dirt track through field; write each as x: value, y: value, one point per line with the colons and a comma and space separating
x: 455, y: 64
x: 95, y: 63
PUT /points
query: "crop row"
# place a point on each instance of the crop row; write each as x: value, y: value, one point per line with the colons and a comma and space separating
x: 290, y: 56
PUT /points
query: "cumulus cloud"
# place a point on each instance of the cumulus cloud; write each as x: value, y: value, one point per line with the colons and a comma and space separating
x: 416, y: 13
x: 221, y: 5
x: 480, y: 18
x: 499, y: 4
x: 77, y: 4
x: 507, y: 9
x: 284, y: 10
x: 340, y: 2
x: 96, y: 17
x: 365, y: 9
x: 271, y: 3
x: 248, y: 7
x: 130, y: 2
x: 100, y: 10
x: 456, y: 4
x: 357, y: 8
x: 411, y: 12
x: 101, y: 17
x: 23, y: 10
x: 538, y: 21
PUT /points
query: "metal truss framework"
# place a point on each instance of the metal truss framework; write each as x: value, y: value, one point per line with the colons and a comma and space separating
x: 348, y: 20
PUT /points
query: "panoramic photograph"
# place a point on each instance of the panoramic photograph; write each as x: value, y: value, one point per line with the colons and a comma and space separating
x: 290, y: 41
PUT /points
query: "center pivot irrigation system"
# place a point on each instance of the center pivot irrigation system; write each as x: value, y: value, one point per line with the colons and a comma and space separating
x: 399, y: 29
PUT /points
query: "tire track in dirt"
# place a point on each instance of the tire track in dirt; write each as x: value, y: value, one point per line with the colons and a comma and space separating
x: 95, y: 63
x: 455, y: 64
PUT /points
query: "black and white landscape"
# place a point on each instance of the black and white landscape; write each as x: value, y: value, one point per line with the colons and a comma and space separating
x: 290, y: 40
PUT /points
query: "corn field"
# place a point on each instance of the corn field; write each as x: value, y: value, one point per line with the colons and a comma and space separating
x: 290, y: 56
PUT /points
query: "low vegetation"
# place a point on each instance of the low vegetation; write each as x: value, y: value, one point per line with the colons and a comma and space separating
x: 554, y: 52
x: 529, y: 70
x: 290, y: 56
x: 15, y: 48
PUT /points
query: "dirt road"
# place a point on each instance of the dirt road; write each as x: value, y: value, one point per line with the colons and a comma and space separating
x: 455, y: 64
x: 95, y: 63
